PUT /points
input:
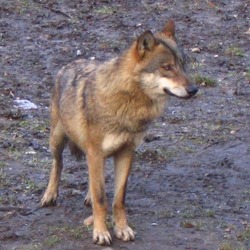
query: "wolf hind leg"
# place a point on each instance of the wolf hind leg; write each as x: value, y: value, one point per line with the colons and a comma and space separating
x: 57, y: 144
x: 87, y: 200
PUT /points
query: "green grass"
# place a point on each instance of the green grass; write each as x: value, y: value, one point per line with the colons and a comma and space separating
x: 234, y: 51
x: 204, y: 80
x: 229, y: 246
x: 31, y: 185
x: 244, y: 235
x: 226, y: 246
x: 2, y: 165
x: 31, y: 246
x: 165, y: 214
x: 3, y: 179
x: 105, y: 10
x: 65, y: 230
x: 197, y: 65
x: 209, y: 213
x: 24, y: 123
x: 191, y: 224
x: 52, y: 241
x: 248, y: 75
x: 76, y: 233
x: 194, y: 212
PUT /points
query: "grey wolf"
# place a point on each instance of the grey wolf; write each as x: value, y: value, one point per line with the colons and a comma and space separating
x: 104, y: 109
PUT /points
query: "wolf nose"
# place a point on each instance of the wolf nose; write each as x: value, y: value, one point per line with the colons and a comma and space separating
x: 192, y: 90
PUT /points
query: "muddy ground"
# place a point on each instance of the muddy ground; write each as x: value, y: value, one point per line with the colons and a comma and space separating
x: 190, y: 184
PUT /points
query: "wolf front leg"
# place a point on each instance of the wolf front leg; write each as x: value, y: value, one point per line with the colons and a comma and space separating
x: 101, y: 235
x: 123, y: 162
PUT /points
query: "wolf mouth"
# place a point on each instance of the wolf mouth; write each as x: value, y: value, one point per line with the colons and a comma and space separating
x: 168, y: 92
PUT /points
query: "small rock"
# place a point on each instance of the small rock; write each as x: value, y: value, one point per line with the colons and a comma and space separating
x: 30, y: 152
x: 76, y: 192
x: 247, y: 32
x: 151, y: 138
x: 35, y: 145
x: 196, y: 50
x: 78, y: 52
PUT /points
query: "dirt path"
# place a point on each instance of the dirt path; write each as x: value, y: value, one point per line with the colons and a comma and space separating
x: 190, y: 185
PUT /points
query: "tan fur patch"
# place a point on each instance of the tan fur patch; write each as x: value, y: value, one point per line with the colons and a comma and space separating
x: 112, y: 142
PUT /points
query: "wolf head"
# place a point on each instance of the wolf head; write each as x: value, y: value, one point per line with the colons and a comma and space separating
x: 160, y: 64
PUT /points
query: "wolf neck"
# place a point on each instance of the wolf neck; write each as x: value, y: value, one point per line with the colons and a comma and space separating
x: 123, y: 102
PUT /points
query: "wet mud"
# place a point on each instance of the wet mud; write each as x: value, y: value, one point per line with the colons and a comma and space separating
x: 189, y: 186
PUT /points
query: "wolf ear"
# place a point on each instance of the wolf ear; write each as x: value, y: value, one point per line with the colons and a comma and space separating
x: 146, y: 42
x: 169, y: 29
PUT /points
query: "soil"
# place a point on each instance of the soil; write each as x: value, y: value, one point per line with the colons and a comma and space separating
x: 189, y: 187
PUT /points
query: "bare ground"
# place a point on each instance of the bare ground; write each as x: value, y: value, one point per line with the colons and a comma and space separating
x: 189, y: 188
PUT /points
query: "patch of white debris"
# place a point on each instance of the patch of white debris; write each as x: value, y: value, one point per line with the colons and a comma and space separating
x: 24, y: 104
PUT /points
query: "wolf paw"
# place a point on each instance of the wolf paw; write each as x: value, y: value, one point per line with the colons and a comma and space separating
x: 49, y: 198
x: 125, y: 234
x: 102, y: 238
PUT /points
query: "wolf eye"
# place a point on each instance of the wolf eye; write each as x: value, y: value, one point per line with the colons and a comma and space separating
x: 167, y: 67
